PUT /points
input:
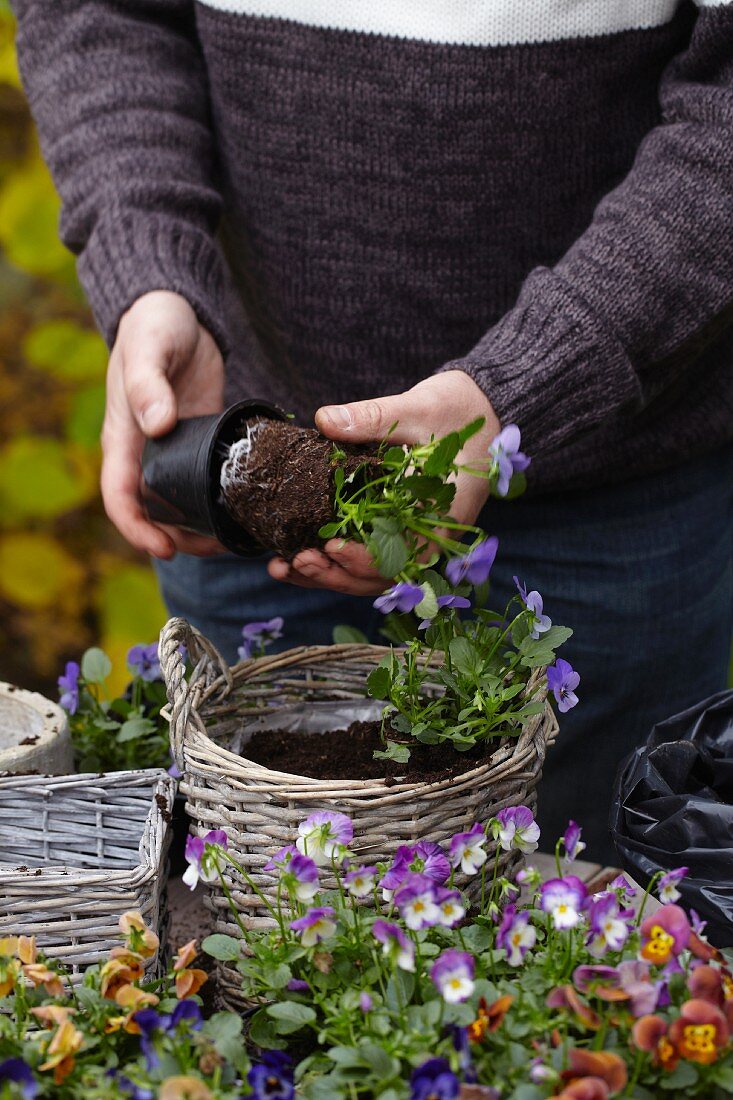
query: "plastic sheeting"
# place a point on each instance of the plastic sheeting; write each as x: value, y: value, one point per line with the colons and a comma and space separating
x: 673, y: 807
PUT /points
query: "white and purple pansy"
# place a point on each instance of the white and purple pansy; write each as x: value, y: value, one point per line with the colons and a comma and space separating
x: 515, y: 827
x: 325, y: 836
x: 452, y: 974
x: 564, y: 899
x: 316, y: 925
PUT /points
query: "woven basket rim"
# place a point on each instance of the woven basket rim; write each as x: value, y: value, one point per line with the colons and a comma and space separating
x: 66, y: 874
x: 193, y: 697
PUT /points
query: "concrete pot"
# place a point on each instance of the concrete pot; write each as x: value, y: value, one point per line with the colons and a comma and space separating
x: 34, y: 734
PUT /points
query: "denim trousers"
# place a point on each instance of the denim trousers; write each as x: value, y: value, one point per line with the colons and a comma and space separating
x: 642, y: 572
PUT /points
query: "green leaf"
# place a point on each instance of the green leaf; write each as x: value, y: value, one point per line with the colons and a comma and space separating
x: 328, y: 530
x: 393, y: 456
x: 517, y: 486
x: 133, y: 728
x: 680, y: 1079
x: 556, y: 636
x: 279, y: 976
x: 399, y: 753
x: 95, y: 666
x: 349, y: 635
x: 379, y: 682
x: 261, y: 1031
x: 465, y: 656
x: 723, y: 1078
x: 389, y: 550
x: 290, y: 1016
x: 428, y: 606
x: 471, y: 429
x: 66, y: 350
x: 223, y: 948
x: 439, y: 462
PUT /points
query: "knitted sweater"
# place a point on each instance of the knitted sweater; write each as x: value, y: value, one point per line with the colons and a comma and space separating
x: 355, y: 194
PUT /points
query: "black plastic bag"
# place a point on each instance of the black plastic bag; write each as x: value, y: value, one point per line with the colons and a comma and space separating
x: 673, y: 807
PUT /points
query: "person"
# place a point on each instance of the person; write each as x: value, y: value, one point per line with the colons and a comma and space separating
x: 424, y: 212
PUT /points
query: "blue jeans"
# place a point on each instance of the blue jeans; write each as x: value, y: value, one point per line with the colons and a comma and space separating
x: 642, y: 572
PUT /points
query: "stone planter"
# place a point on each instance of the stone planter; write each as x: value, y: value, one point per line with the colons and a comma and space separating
x: 34, y: 734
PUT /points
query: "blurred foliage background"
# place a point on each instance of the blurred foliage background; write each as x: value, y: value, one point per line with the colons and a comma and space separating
x: 67, y: 580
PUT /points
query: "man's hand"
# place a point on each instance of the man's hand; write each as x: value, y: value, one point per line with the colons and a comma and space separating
x: 163, y: 365
x: 437, y: 406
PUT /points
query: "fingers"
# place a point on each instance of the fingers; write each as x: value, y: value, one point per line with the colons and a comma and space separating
x: 370, y: 421
x: 315, y: 569
x: 190, y: 542
x: 119, y: 483
x: 149, y: 394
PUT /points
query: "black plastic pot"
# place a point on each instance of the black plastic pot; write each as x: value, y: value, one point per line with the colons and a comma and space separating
x: 181, y: 474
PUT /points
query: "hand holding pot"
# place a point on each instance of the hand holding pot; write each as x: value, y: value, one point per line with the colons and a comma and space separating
x: 164, y: 365
x: 436, y: 406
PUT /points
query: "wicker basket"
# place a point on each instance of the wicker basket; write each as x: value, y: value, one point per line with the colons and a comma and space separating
x: 260, y: 809
x: 78, y: 851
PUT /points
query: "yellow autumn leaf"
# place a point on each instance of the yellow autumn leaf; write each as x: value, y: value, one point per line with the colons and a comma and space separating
x: 29, y: 214
x: 130, y: 610
x: 42, y: 478
x: 36, y: 571
x: 67, y: 351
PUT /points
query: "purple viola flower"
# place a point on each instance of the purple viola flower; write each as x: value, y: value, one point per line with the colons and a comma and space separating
x: 609, y: 929
x: 366, y: 1003
x: 400, y: 597
x: 202, y: 863
x: 143, y: 661
x: 451, y: 906
x: 434, y: 1080
x: 317, y: 924
x: 416, y: 902
x: 667, y: 885
x: 425, y: 858
x: 300, y: 878
x: 467, y: 850
x: 272, y: 1077
x: 258, y: 635
x: 297, y: 985
x: 395, y: 944
x: 515, y: 827
x: 515, y: 935
x: 281, y: 858
x: 507, y: 457
x: 128, y: 1088
x: 452, y: 975
x: 17, y: 1072
x: 152, y: 1023
x: 449, y: 602
x: 324, y: 836
x: 533, y: 602
x: 360, y: 883
x: 474, y: 566
x: 562, y: 680
x: 635, y: 980
x: 564, y: 900
x: 69, y: 687
x: 622, y: 885
x: 571, y: 842
x: 697, y: 924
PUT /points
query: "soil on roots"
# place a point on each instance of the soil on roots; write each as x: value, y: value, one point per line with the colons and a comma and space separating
x: 277, y: 483
x: 349, y: 754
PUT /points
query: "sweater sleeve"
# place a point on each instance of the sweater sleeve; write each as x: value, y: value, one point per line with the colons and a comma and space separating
x: 647, y: 286
x: 118, y: 91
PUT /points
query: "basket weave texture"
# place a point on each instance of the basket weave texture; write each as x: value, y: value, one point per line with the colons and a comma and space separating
x: 260, y: 809
x: 78, y: 851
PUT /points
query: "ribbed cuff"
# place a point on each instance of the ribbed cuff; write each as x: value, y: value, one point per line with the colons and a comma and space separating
x: 551, y: 366
x: 129, y: 255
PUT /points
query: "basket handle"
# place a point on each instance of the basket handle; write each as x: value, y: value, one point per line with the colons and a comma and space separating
x: 208, y: 666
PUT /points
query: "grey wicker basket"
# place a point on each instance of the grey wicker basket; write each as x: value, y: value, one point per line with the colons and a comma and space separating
x: 260, y: 809
x: 76, y: 852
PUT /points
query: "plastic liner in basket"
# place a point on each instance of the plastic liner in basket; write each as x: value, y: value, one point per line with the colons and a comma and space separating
x: 307, y: 718
x: 673, y: 807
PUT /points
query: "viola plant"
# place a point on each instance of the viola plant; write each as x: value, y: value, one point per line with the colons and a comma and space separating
x: 461, y: 675
x: 115, y: 734
x: 119, y: 1033
x: 434, y: 977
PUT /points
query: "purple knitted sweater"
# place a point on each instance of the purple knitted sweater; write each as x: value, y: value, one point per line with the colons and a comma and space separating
x: 354, y: 194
